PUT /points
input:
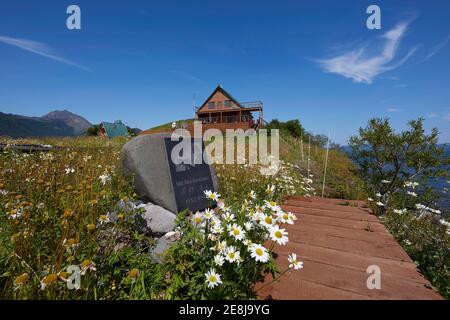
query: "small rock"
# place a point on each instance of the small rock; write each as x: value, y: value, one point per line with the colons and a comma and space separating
x: 162, y: 245
x: 156, y: 220
x: 173, y: 235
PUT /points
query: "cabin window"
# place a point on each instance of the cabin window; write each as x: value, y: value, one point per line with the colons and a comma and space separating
x: 219, y: 104
x: 227, y: 103
x: 211, y: 105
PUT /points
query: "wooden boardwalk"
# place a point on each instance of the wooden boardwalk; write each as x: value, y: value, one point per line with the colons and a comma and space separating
x: 337, y: 241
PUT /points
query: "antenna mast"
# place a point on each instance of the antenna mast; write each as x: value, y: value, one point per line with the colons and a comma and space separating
x: 193, y: 105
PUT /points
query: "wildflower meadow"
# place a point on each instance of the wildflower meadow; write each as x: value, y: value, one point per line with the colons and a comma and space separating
x: 63, y: 210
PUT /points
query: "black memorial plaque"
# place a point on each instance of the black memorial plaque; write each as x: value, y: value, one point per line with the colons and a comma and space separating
x: 189, y: 179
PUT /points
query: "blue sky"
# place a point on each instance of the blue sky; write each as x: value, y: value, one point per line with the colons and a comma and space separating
x: 143, y: 61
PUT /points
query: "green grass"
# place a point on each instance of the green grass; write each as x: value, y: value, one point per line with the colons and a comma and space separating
x: 168, y: 125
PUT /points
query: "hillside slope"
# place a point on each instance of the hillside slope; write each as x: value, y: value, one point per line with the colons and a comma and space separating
x: 16, y: 126
x: 53, y: 124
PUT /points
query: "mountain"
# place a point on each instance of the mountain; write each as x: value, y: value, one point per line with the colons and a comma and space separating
x: 78, y: 123
x: 56, y: 123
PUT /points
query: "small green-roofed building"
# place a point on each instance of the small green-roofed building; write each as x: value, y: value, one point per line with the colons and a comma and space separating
x: 112, y: 130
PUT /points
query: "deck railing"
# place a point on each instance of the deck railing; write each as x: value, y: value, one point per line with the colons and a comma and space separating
x: 227, y: 119
x: 251, y: 104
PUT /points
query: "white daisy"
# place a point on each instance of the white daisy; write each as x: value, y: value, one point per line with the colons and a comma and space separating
x: 259, y: 253
x: 252, y: 195
x: 228, y: 217
x: 291, y: 218
x: 208, y: 214
x: 104, y: 218
x: 212, y: 195
x: 197, y: 218
x: 104, y: 178
x: 87, y: 265
x: 272, y: 206
x: 369, y: 199
x: 293, y: 263
x: 219, y: 260
x: 222, y: 247
x: 267, y: 220
x: 217, y: 228
x: 412, y: 194
x: 222, y: 206
x: 248, y: 226
x: 232, y: 255
x: 410, y: 184
x: 236, y: 232
x: 278, y: 235
x: 212, y: 278
x: 69, y: 170
x: 283, y: 217
x: 270, y: 189
x: 444, y: 223
x: 380, y: 204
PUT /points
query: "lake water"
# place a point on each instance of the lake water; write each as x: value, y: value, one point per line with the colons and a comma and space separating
x: 442, y: 186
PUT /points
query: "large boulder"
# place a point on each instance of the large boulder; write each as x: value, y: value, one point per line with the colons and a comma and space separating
x: 146, y: 158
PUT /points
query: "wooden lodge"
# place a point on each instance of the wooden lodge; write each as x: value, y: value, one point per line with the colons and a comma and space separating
x: 221, y: 111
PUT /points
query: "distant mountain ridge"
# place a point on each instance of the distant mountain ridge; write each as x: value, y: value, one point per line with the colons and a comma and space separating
x: 78, y: 123
x: 56, y: 123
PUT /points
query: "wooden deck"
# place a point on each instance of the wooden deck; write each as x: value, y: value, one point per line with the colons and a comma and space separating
x: 337, y: 241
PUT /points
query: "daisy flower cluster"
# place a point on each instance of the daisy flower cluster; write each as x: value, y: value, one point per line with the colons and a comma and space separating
x: 289, y: 180
x: 241, y: 239
x: 416, y: 209
x: 239, y: 179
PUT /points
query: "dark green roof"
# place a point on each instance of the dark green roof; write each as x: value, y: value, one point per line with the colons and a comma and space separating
x: 116, y: 129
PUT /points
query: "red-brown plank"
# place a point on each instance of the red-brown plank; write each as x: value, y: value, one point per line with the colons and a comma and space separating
x: 336, y: 247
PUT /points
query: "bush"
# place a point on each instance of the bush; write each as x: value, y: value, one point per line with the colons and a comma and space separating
x: 221, y: 253
x: 396, y: 167
x: 427, y: 243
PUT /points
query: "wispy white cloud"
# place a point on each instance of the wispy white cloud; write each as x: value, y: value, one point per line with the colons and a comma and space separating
x: 447, y: 117
x: 38, y: 48
x: 437, y: 48
x: 363, y: 66
x: 432, y: 115
x: 393, y: 110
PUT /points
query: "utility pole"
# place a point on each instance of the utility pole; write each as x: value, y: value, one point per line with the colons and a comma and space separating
x: 301, y: 145
x: 326, y: 164
x: 309, y: 155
